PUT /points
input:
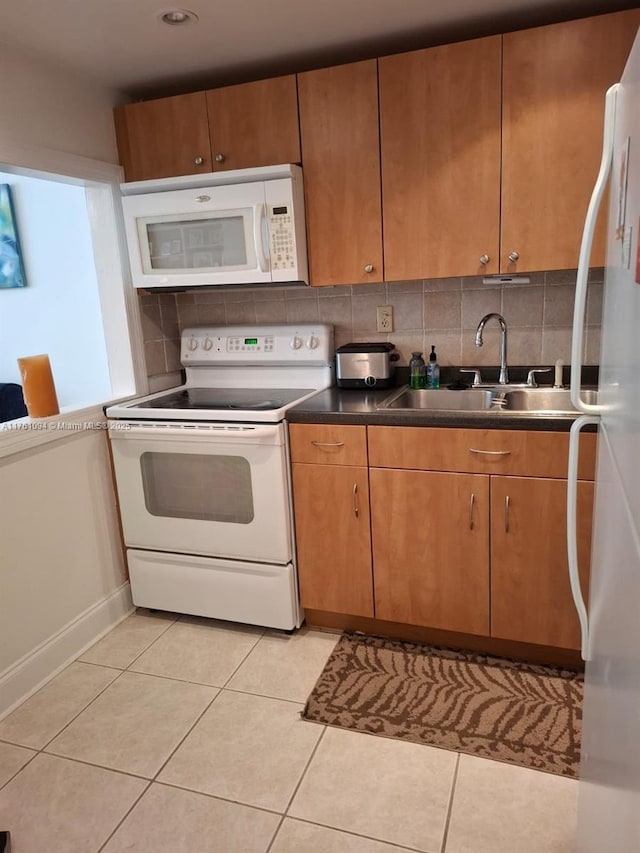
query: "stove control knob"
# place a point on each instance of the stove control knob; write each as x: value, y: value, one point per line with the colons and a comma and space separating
x: 208, y: 343
x: 193, y: 344
x: 295, y: 342
x: 313, y: 342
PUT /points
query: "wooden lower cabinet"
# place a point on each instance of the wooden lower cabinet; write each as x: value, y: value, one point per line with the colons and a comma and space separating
x: 530, y: 593
x: 478, y: 551
x: 430, y: 536
x: 333, y: 537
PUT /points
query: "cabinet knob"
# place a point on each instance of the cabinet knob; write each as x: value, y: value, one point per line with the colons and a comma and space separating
x: 219, y: 158
x: 484, y: 260
x: 368, y: 267
x: 513, y: 256
x: 198, y: 160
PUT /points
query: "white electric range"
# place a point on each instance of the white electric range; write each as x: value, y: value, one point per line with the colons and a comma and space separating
x: 202, y: 473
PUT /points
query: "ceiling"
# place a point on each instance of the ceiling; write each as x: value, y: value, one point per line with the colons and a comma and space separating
x: 123, y: 45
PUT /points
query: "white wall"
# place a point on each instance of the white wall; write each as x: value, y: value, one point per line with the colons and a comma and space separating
x: 62, y: 578
x: 60, y: 556
x: 58, y: 312
x: 51, y: 107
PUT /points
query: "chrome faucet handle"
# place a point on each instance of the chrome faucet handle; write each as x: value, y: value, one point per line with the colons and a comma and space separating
x: 477, y: 379
x: 531, y: 375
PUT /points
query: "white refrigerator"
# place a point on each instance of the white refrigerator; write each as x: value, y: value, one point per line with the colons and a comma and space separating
x: 609, y: 792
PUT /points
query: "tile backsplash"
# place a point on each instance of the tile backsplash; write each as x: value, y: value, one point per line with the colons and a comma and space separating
x: 444, y: 312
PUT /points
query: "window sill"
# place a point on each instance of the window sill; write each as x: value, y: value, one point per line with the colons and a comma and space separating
x: 26, y: 433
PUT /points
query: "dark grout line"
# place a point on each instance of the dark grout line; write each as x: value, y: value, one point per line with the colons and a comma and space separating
x: 4, y: 784
x: 295, y: 790
x: 124, y: 817
x: 450, y: 809
x: 353, y: 834
x: 210, y: 796
x: 82, y: 710
x: 254, y: 646
x: 98, y: 766
x: 185, y: 736
x: 299, y: 702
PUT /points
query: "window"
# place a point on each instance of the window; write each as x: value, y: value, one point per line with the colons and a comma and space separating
x: 77, y: 306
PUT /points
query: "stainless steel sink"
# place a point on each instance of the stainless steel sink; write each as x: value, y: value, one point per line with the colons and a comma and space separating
x: 440, y: 399
x: 507, y: 399
x: 547, y: 400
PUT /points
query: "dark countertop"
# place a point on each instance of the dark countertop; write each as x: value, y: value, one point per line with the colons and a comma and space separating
x: 349, y: 406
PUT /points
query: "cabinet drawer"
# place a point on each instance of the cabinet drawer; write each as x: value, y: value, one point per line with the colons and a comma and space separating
x: 328, y: 444
x: 479, y: 451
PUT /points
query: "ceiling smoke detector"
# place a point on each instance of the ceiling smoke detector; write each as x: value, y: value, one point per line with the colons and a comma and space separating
x: 174, y: 17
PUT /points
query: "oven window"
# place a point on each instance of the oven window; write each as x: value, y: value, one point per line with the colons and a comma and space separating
x: 197, y: 243
x: 199, y: 486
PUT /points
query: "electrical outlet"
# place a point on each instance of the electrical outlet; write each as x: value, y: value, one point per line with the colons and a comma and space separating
x: 385, y: 318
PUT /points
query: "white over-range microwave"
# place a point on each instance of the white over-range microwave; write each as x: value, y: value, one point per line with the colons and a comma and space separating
x: 241, y: 227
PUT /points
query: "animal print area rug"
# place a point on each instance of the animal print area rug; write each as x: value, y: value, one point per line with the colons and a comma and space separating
x: 487, y: 706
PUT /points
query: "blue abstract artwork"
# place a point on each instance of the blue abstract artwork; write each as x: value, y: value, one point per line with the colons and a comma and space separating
x: 11, y: 267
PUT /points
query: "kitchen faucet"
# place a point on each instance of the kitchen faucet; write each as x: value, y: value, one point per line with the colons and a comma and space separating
x: 504, y: 376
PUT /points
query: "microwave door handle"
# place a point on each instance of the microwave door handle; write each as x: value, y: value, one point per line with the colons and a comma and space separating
x: 261, y: 237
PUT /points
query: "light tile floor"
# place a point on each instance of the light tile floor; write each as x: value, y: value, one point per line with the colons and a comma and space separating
x: 182, y: 734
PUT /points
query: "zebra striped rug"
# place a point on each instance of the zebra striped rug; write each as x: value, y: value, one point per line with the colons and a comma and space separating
x: 493, y: 707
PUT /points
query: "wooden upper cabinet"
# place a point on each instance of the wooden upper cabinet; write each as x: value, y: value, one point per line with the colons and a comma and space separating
x: 163, y: 137
x: 440, y: 112
x: 555, y: 79
x: 254, y: 124
x: 341, y: 163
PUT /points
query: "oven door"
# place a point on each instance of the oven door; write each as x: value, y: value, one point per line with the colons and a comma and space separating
x: 210, y: 489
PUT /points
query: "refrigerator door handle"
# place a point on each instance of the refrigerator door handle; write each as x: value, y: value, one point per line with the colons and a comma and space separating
x: 585, y: 255
x: 572, y: 528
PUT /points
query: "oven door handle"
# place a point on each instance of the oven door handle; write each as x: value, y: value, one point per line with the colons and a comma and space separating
x: 267, y: 434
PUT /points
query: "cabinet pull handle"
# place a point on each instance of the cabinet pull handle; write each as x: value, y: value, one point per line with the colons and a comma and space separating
x: 471, y: 503
x: 219, y: 158
x: 356, y: 509
x: 484, y: 260
x: 198, y: 160
x: 513, y: 256
x: 327, y: 443
x: 490, y: 452
x: 507, y: 502
x: 368, y: 268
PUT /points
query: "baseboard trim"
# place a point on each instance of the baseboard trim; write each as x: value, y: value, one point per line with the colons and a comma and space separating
x: 37, y: 667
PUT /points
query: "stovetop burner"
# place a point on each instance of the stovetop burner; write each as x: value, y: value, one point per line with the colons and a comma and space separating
x: 226, y: 399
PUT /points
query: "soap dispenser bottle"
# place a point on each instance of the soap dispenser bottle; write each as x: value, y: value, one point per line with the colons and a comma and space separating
x: 417, y: 372
x: 433, y: 370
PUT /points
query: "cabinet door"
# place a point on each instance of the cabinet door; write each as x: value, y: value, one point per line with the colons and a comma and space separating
x: 333, y: 538
x: 440, y: 113
x: 530, y: 592
x: 431, y: 552
x: 341, y: 162
x: 555, y: 79
x: 254, y: 124
x: 164, y: 138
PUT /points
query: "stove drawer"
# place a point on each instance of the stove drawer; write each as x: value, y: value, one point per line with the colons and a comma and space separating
x: 218, y: 589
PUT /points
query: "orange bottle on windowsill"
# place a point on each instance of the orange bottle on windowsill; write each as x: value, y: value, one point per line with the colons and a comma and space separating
x: 37, y: 386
